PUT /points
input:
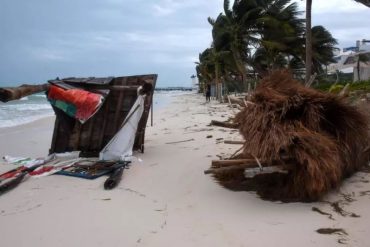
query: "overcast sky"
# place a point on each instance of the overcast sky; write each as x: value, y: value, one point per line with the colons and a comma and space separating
x: 43, y: 39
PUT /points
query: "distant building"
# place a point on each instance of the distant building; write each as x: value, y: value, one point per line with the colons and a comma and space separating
x: 347, y: 61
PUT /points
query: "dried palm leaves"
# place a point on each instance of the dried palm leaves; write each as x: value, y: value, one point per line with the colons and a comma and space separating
x: 319, y: 138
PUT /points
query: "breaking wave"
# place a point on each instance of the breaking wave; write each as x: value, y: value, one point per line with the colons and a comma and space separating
x: 25, y: 110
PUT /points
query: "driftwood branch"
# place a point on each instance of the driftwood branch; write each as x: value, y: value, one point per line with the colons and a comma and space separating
x: 225, y: 124
x: 236, y: 152
x: 14, y: 93
x: 180, y: 141
x: 233, y: 142
x: 250, y: 166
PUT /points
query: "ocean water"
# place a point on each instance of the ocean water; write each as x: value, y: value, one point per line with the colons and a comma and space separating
x: 34, y: 107
x: 163, y: 98
x: 25, y: 110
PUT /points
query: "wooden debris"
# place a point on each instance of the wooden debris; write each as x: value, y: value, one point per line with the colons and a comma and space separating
x: 320, y: 136
x: 338, y: 231
x: 14, y: 93
x: 180, y: 141
x: 223, y: 163
x: 251, y: 172
x: 233, y: 142
x: 250, y: 169
x: 235, y: 100
x: 230, y: 168
x: 225, y: 124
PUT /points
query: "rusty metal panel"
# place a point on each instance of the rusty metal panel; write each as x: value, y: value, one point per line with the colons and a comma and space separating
x: 92, y: 136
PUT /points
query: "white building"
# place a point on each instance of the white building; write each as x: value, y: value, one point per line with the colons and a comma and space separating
x: 347, y: 61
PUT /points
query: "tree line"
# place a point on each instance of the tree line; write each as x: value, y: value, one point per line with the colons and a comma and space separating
x: 252, y: 38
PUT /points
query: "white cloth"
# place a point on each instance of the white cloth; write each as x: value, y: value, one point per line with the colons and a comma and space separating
x: 120, y: 147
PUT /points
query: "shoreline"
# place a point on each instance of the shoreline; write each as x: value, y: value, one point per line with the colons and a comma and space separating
x: 164, y: 199
x: 164, y: 100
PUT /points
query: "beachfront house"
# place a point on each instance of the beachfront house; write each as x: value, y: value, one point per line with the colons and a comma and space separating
x: 354, y: 60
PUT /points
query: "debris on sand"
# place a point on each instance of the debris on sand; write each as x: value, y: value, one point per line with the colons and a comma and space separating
x: 338, y: 231
x: 314, y: 139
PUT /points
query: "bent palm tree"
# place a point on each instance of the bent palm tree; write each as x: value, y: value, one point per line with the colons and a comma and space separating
x: 323, y: 46
x: 281, y: 31
x: 234, y: 31
x: 364, y: 2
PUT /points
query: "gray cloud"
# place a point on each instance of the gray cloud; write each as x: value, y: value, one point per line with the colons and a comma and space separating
x: 347, y: 20
x: 43, y: 39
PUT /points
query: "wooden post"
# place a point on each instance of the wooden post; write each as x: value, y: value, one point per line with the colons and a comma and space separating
x: 14, y: 93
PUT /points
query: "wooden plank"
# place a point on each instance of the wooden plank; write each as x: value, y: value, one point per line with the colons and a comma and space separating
x: 75, y: 137
x: 222, y: 163
x: 55, y: 134
x: 251, y: 169
x: 102, y: 130
x: 118, y: 113
x: 89, y: 133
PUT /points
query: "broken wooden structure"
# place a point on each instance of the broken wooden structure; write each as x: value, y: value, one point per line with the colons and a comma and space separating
x: 91, y: 137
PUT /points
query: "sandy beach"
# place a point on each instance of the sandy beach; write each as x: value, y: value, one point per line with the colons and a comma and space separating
x: 165, y: 199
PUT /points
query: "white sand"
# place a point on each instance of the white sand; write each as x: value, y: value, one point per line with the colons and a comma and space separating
x: 166, y: 200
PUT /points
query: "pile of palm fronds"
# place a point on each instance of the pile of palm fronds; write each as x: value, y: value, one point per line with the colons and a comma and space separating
x: 317, y: 139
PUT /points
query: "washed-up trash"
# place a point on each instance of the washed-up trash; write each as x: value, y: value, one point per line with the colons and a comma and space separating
x: 27, y: 162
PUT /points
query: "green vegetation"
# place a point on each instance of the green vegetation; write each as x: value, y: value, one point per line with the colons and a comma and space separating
x: 335, y: 88
x: 364, y: 2
x: 252, y: 38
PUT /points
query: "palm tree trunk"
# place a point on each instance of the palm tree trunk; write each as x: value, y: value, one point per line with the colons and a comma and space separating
x: 218, y: 84
x: 240, y: 65
x: 308, y: 40
x: 358, y: 69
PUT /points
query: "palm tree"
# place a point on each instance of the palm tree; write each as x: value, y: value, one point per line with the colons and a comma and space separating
x: 323, y: 46
x: 281, y: 31
x: 308, y: 40
x: 263, y: 35
x: 234, y: 31
x: 210, y: 68
x: 364, y: 2
x: 205, y: 69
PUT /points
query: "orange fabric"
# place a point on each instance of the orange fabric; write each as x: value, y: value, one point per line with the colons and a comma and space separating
x: 85, y: 102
